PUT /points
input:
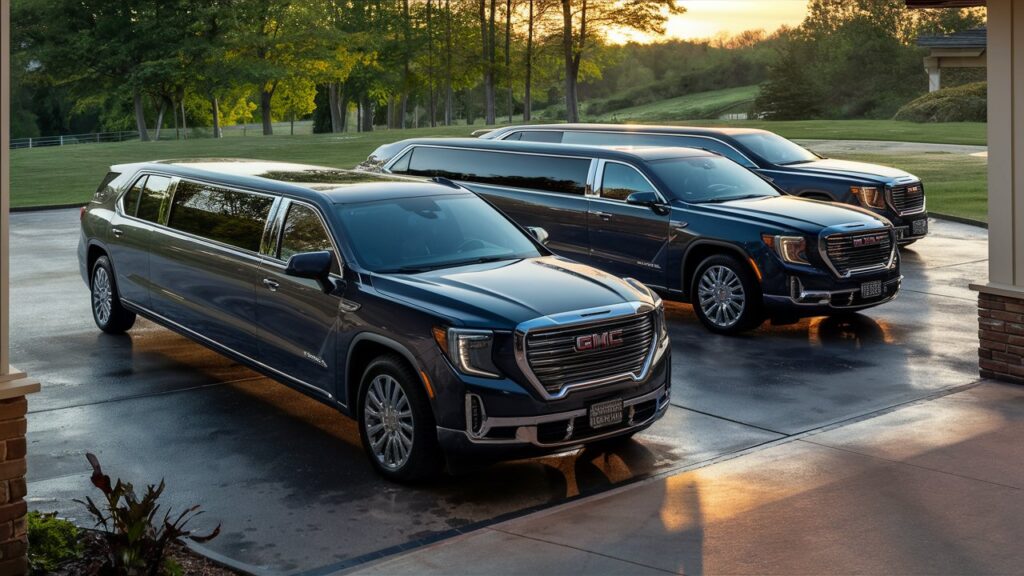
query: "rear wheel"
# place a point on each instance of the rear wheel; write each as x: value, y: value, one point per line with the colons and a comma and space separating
x: 107, y: 311
x: 726, y: 296
x: 396, y: 422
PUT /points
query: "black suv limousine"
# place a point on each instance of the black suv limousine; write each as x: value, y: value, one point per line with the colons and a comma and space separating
x: 691, y: 224
x: 889, y: 192
x: 444, y: 328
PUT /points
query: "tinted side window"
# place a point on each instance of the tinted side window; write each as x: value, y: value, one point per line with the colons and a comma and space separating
x: 715, y: 146
x: 552, y: 136
x: 548, y: 173
x: 620, y: 181
x: 234, y: 218
x: 130, y: 202
x: 154, y: 201
x: 104, y: 190
x: 401, y: 166
x: 304, y: 232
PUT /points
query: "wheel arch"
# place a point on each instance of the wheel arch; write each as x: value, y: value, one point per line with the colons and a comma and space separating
x: 364, y: 349
x: 700, y: 250
x: 93, y: 253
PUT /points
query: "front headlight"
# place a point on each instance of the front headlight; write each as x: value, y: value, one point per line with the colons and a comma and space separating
x: 792, y: 249
x: 468, y: 350
x: 869, y: 196
x: 661, y: 329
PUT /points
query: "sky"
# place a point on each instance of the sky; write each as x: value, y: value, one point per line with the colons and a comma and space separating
x: 708, y: 18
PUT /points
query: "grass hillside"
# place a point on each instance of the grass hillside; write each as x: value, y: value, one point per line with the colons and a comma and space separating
x: 700, y: 105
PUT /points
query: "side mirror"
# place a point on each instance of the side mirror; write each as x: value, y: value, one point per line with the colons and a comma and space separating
x: 312, y: 265
x: 540, y: 234
x: 648, y: 199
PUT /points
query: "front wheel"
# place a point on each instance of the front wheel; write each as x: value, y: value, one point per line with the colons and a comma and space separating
x: 107, y: 311
x: 726, y: 296
x: 396, y: 422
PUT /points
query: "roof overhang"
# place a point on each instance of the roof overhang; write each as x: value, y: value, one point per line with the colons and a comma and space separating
x: 944, y: 3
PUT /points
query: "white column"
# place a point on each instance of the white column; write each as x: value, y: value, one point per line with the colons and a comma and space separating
x: 931, y: 66
x: 1005, y: 148
x: 5, y: 182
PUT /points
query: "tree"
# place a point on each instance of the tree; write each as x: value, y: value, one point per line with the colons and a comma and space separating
x: 584, y: 24
x: 295, y: 96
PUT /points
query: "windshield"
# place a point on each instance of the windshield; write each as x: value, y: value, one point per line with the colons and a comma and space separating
x: 710, y: 179
x: 775, y: 149
x: 410, y: 235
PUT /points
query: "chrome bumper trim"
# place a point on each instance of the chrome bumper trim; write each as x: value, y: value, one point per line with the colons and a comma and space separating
x: 526, y: 426
x: 800, y: 297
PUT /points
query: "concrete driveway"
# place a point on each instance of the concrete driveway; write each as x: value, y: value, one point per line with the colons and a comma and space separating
x: 286, y: 476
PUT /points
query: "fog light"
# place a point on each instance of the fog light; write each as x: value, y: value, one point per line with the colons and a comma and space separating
x: 475, y: 415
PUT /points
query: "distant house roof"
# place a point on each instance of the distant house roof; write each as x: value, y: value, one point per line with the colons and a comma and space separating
x: 944, y: 3
x: 976, y: 38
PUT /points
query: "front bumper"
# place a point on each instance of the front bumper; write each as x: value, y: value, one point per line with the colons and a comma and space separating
x: 801, y: 301
x: 910, y: 228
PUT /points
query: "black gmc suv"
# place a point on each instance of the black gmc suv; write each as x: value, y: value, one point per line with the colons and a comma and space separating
x: 415, y: 307
x: 691, y: 224
x: 888, y: 192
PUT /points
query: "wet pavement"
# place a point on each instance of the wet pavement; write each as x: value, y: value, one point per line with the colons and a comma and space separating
x: 286, y: 476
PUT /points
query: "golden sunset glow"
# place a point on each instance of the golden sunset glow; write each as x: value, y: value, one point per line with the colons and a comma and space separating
x: 709, y: 18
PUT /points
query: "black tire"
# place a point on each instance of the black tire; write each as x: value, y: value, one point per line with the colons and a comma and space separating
x: 107, y: 311
x: 739, y: 304
x: 422, y: 459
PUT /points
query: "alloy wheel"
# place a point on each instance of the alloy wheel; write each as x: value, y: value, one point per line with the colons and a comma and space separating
x: 721, y: 295
x: 102, y: 295
x: 388, y: 421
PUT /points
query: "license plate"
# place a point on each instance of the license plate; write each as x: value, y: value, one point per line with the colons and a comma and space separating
x: 920, y: 226
x: 871, y: 289
x: 605, y: 414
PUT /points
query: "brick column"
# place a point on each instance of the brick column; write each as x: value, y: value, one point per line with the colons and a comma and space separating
x: 1001, y: 336
x: 13, y: 537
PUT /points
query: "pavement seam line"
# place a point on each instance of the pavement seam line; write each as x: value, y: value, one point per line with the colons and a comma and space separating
x: 755, y: 426
x: 147, y: 395
x: 571, y: 547
x: 938, y: 295
x: 955, y: 265
x: 905, y: 463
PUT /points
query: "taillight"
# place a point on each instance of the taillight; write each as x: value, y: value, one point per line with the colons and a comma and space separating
x: 81, y: 213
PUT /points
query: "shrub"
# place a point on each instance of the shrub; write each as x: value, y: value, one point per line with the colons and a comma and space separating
x: 136, y: 538
x: 51, y: 542
x: 966, y: 103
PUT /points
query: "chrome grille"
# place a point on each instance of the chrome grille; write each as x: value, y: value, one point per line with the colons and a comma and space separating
x: 859, y: 251
x: 556, y: 362
x: 907, y: 199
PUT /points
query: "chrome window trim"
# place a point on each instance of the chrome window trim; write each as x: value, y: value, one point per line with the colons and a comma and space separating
x: 563, y: 131
x: 387, y: 166
x: 823, y: 252
x: 599, y: 182
x: 209, y: 340
x: 277, y: 232
x: 579, y: 319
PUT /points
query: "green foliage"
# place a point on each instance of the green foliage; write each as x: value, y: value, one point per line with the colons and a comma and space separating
x: 51, y: 542
x: 136, y: 537
x: 966, y: 103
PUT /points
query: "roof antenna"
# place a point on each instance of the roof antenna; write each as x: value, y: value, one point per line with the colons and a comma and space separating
x: 446, y: 182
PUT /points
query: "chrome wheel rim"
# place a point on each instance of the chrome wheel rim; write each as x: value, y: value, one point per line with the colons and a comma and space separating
x: 721, y: 295
x: 388, y: 422
x: 101, y: 295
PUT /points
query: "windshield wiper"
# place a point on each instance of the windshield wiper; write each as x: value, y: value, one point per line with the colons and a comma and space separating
x: 440, y: 265
x: 792, y: 162
x: 731, y: 198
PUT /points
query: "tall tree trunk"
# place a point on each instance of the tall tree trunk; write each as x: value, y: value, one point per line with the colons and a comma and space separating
x: 140, y: 116
x: 527, y: 98
x: 403, y: 110
x: 160, y: 118
x: 292, y: 128
x: 184, y: 125
x: 572, y: 55
x: 488, y: 59
x: 431, y: 103
x: 343, y: 99
x: 366, y: 114
x: 492, y: 49
x: 266, y: 97
x: 508, y: 54
x: 332, y: 104
x: 174, y: 107
x: 448, y: 119
x: 215, y: 105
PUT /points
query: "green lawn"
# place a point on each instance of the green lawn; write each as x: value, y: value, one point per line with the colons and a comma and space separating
x: 699, y: 105
x: 67, y: 175
x: 955, y: 184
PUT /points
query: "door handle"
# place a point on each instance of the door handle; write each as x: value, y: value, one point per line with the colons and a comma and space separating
x: 271, y: 285
x: 604, y: 216
x: 117, y: 232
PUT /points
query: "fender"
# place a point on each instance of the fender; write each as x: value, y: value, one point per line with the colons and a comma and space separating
x: 736, y: 250
x: 376, y: 339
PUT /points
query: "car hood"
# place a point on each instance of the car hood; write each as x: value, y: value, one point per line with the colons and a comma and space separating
x: 501, y: 295
x: 858, y: 170
x: 808, y: 216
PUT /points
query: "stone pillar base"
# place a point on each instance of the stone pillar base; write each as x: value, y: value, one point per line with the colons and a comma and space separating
x: 13, y: 530
x: 1001, y: 337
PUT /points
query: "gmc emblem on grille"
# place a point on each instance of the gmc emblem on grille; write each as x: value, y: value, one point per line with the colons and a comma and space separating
x: 914, y: 190
x: 611, y: 339
x: 867, y: 241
